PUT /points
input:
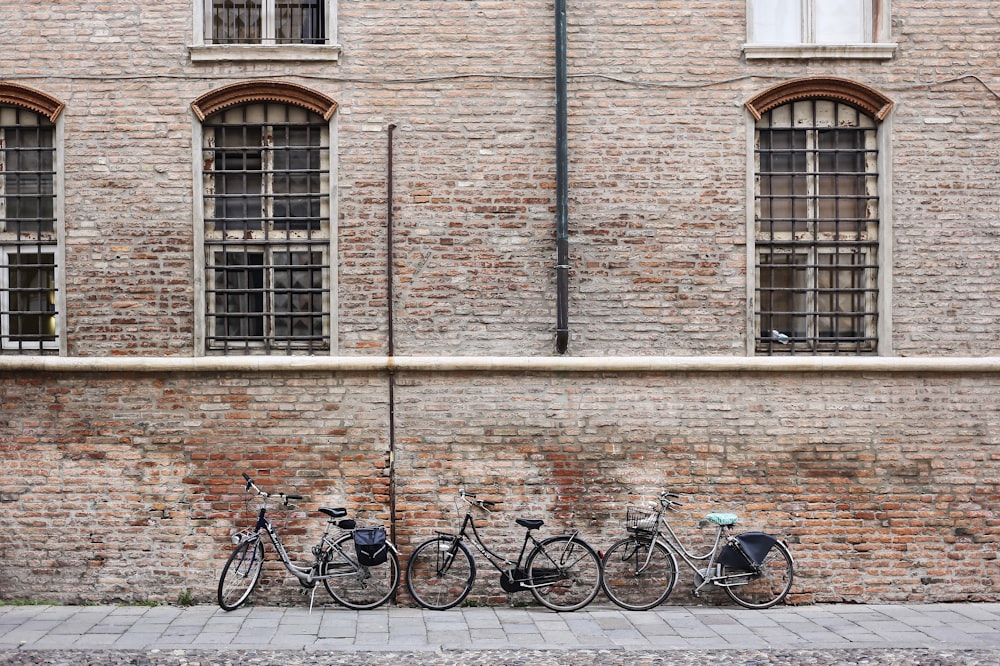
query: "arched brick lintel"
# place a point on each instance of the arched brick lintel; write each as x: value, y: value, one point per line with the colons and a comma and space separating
x: 31, y: 99
x: 861, y: 96
x: 263, y: 91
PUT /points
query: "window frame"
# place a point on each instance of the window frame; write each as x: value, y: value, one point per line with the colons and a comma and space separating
x: 44, y: 241
x: 203, y: 50
x: 8, y: 343
x: 878, y: 23
x: 878, y: 107
x: 237, y: 96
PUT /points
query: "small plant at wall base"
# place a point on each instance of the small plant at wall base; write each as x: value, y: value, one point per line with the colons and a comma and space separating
x: 186, y: 598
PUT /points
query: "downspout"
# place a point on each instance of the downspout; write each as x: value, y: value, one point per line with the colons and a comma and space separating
x: 391, y: 344
x: 562, y: 186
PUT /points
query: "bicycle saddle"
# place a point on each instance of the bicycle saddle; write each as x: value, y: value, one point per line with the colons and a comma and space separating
x: 530, y: 523
x: 723, y: 519
x: 334, y: 513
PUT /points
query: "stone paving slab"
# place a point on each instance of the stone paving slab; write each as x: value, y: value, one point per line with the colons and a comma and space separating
x: 957, y: 626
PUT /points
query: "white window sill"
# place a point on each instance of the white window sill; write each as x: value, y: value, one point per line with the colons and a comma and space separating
x: 807, y: 51
x: 257, y: 52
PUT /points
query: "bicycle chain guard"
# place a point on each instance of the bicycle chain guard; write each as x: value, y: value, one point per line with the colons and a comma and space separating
x: 511, y: 580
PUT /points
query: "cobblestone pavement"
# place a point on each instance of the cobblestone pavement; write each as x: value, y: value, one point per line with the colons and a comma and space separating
x: 962, y: 634
x: 845, y: 657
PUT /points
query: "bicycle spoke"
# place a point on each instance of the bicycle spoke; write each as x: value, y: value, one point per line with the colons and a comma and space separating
x: 765, y: 587
x: 356, y: 586
x: 638, y: 575
x: 440, y: 574
x: 240, y: 575
x: 568, y: 581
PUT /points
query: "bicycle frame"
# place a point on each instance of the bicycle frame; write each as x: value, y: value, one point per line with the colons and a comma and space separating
x: 307, y: 576
x: 504, y: 564
x: 711, y: 574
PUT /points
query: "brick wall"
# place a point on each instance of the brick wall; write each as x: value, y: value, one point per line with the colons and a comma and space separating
x: 884, y: 486
x: 125, y: 486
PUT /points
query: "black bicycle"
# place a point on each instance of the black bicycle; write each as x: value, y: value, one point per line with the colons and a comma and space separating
x: 562, y: 572
x: 357, y: 571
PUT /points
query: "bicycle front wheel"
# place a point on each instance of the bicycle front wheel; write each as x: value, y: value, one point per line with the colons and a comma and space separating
x: 440, y: 573
x: 766, y: 587
x: 241, y: 573
x: 564, y: 573
x: 639, y: 574
x: 355, y: 585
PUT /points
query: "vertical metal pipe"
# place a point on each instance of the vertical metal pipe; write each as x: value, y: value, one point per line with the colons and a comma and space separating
x: 562, y: 185
x: 388, y: 236
x: 391, y: 344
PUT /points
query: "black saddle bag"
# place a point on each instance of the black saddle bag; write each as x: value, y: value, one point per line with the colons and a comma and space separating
x: 752, y: 548
x: 370, y: 546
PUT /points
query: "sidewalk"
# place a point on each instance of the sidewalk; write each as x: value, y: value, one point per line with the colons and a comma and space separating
x: 959, y: 626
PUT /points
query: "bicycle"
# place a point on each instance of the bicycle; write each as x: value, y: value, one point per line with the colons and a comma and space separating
x: 336, y: 561
x: 562, y: 572
x: 755, y: 569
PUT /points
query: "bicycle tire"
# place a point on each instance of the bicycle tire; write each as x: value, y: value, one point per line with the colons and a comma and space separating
x: 572, y: 566
x: 766, y: 587
x: 632, y: 583
x: 241, y: 573
x: 440, y: 573
x: 354, y: 585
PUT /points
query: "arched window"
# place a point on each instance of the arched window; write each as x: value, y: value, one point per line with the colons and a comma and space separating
x: 29, y: 229
x: 817, y: 215
x: 266, y: 209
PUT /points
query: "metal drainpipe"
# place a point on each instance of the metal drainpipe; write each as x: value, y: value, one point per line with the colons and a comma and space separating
x: 391, y: 344
x: 562, y: 186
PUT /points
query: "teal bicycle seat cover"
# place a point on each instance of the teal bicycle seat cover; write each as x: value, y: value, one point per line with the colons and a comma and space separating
x: 722, y: 518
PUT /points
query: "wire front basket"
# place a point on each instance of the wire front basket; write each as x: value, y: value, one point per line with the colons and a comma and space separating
x: 640, y: 521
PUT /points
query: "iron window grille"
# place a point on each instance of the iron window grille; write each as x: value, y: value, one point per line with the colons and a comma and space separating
x: 265, y: 22
x: 817, y: 217
x: 267, y: 230
x: 28, y: 317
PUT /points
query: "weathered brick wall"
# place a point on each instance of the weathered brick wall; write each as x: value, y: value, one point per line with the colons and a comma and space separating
x: 657, y: 137
x: 885, y: 486
x: 125, y: 486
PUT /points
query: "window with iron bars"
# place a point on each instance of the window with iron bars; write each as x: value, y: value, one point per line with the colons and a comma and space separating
x: 28, y: 317
x: 267, y: 230
x: 816, y: 237
x: 265, y: 22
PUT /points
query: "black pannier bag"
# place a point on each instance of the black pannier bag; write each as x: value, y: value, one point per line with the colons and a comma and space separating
x: 370, y: 546
x: 756, y: 545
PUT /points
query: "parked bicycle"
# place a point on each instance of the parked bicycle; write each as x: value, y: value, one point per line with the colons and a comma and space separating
x: 755, y: 569
x: 562, y: 572
x: 358, y: 567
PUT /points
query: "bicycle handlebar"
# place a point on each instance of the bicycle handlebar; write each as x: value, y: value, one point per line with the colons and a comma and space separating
x: 471, y: 498
x: 669, y: 500
x: 253, y: 486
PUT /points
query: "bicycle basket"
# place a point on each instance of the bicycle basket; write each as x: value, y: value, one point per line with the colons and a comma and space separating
x: 370, y: 546
x: 639, y: 520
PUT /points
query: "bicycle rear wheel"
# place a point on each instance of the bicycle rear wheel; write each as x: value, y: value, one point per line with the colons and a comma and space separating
x: 639, y: 574
x: 354, y: 585
x: 241, y: 573
x: 766, y: 587
x: 564, y: 573
x: 440, y: 573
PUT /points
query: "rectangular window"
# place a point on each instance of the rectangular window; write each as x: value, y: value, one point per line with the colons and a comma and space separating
x: 28, y: 321
x: 267, y: 230
x: 28, y: 299
x: 817, y: 229
x: 265, y: 22
x: 818, y: 28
